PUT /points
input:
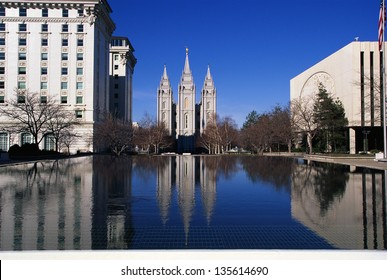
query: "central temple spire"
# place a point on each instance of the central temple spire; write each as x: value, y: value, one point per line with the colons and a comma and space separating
x: 187, y: 70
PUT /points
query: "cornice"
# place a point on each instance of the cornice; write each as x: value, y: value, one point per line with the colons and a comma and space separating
x: 89, y: 19
x: 47, y: 4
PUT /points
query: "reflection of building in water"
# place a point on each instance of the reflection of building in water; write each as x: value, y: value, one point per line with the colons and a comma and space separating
x: 185, y: 182
x: 181, y: 171
x: 112, y: 184
x: 352, y: 218
x: 46, y: 205
x: 208, y: 188
x: 165, y: 180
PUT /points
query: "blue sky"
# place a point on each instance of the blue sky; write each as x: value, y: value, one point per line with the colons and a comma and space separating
x: 253, y: 47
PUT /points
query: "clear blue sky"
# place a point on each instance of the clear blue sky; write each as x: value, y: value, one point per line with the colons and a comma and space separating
x: 254, y: 47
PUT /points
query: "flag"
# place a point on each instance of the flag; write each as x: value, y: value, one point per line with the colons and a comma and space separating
x: 382, y: 23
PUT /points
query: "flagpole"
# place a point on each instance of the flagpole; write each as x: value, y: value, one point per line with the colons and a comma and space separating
x: 384, y: 86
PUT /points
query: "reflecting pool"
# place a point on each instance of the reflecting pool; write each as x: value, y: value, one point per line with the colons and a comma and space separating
x: 190, y: 202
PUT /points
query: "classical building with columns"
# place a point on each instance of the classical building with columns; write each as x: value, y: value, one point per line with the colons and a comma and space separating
x: 64, y: 50
x: 185, y: 120
x: 353, y: 75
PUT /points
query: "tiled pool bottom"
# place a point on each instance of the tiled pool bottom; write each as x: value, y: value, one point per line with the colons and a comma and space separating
x: 220, y: 237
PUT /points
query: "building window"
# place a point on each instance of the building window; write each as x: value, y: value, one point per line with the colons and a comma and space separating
x: 44, y: 56
x: 44, y: 12
x: 22, y: 70
x: 163, y: 106
x: 116, y: 57
x: 186, y: 120
x: 43, y: 85
x: 2, y: 26
x: 21, y: 99
x: 186, y: 103
x: 116, y: 76
x: 79, y: 100
x: 3, y: 141
x: 49, y: 142
x: 80, y: 28
x: 22, y: 41
x: 116, y: 95
x: 79, y: 56
x: 44, y: 42
x: 80, y: 12
x: 78, y: 114
x: 43, y: 71
x: 65, y: 28
x: 63, y: 85
x: 65, y: 42
x: 64, y: 70
x: 44, y: 27
x: 65, y: 13
x: 208, y: 105
x: 43, y: 99
x: 22, y: 56
x: 116, y: 86
x: 79, y: 85
x: 21, y: 85
x: 80, y: 42
x: 22, y: 12
x: 2, y: 41
x: 63, y: 99
x: 163, y: 117
x: 2, y: 12
x: 79, y: 71
x: 1, y: 98
x: 2, y: 85
x: 22, y: 27
x: 115, y: 67
x: 26, y: 138
x: 65, y: 56
x: 2, y: 56
x: 2, y: 70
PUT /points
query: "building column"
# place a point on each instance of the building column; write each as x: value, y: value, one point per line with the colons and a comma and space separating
x: 352, y: 141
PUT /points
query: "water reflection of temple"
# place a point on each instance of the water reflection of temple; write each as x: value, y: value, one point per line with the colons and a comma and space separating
x: 347, y: 207
x: 182, y: 171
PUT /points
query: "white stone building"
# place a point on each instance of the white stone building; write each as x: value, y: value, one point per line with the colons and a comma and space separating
x: 352, y: 74
x: 186, y: 119
x: 61, y: 49
x: 121, y: 77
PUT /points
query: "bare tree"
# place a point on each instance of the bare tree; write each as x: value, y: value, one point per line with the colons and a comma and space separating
x: 113, y: 133
x: 209, y: 139
x: 27, y: 112
x: 219, y: 135
x: 281, y: 125
x: 61, y: 126
x: 303, y: 118
x: 161, y: 137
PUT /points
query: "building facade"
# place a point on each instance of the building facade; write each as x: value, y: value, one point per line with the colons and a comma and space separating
x: 353, y: 75
x: 185, y: 119
x: 61, y: 50
x: 122, y: 62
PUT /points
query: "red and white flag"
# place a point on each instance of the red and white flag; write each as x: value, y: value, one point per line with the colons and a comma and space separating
x: 382, y: 23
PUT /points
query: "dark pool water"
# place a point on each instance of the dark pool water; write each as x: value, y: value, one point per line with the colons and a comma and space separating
x: 190, y: 202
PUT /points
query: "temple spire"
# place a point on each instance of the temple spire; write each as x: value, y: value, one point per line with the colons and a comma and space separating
x: 187, y: 69
x: 208, y: 76
x: 165, y: 75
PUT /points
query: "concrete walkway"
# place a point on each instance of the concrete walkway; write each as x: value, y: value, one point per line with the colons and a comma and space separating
x: 368, y: 162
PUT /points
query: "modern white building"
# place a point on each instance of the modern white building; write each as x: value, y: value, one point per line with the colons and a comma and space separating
x: 353, y: 75
x: 186, y: 119
x: 60, y: 49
